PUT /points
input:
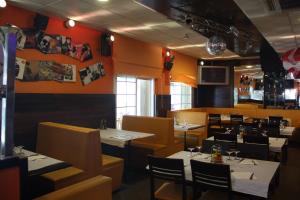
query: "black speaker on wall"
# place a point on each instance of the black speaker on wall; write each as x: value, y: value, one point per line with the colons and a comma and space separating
x: 105, y: 44
x: 41, y: 22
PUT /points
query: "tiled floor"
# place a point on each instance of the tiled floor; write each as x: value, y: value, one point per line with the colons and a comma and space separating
x: 288, y: 189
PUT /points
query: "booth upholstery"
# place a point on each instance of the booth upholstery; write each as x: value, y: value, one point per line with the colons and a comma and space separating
x: 96, y: 188
x: 80, y: 147
x: 162, y: 143
x: 194, y: 137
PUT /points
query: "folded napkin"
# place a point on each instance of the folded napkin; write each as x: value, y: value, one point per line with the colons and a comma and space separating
x: 249, y: 162
x: 36, y: 157
x: 242, y: 175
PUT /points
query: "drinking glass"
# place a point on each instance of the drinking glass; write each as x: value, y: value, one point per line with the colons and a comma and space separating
x: 236, y: 152
x: 229, y: 152
x: 191, y: 150
x: 199, y: 148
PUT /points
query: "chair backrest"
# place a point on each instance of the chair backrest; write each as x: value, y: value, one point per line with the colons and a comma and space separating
x: 275, y: 120
x: 75, y: 145
x: 273, y: 131
x: 214, y: 119
x: 254, y: 151
x: 225, y: 146
x: 256, y: 139
x: 225, y: 137
x: 166, y: 169
x: 163, y: 128
x: 211, y: 131
x: 211, y: 176
x: 236, y: 119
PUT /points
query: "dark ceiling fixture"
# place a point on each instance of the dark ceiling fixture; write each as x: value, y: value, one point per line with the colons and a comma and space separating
x: 213, y: 18
x: 210, y: 27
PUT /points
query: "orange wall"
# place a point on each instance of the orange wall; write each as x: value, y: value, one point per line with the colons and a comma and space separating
x: 81, y: 34
x: 184, y: 69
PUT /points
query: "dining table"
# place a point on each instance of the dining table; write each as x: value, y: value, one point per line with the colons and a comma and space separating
x: 185, y: 128
x: 114, y: 141
x: 276, y: 145
x: 248, y: 176
x: 40, y: 164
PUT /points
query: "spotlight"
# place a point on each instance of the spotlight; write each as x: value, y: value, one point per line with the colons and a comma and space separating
x: 168, y: 53
x: 70, y: 23
x: 3, y: 3
x: 112, y: 38
x: 202, y: 63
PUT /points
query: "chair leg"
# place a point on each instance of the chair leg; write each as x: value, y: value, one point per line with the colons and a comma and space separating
x: 230, y: 196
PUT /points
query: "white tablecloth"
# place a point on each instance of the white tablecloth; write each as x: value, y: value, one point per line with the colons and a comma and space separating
x: 120, y: 138
x: 227, y: 118
x: 287, y: 131
x: 38, y: 161
x: 263, y: 173
x: 275, y: 144
x: 182, y: 127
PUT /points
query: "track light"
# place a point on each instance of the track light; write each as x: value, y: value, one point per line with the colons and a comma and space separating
x: 168, y: 53
x: 3, y: 4
x: 112, y: 38
x: 70, y: 23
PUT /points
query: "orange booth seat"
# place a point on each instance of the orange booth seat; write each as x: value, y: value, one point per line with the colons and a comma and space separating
x: 193, y: 137
x: 162, y: 143
x: 80, y: 147
x: 96, y: 188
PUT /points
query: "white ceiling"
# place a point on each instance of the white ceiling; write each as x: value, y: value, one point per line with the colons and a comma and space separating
x: 128, y: 18
x: 281, y: 27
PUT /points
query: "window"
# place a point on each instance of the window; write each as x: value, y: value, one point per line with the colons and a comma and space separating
x: 134, y: 97
x: 181, y: 96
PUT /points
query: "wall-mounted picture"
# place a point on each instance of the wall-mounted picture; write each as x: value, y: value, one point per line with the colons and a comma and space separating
x: 47, y: 43
x: 91, y: 73
x: 81, y: 52
x: 48, y: 71
x: 20, y: 68
x: 70, y: 73
x: 66, y: 45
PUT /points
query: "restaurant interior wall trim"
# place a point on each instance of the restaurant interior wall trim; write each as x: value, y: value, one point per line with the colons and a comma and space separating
x: 24, y: 19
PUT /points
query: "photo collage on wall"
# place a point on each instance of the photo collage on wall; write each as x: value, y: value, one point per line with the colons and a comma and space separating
x: 44, y: 71
x: 91, y: 73
x: 48, y: 43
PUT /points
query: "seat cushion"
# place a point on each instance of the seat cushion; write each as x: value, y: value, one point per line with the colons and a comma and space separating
x: 61, y: 174
x: 108, y: 161
x: 152, y: 146
x: 171, y: 191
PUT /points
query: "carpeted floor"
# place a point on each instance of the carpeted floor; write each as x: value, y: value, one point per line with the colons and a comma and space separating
x: 288, y: 189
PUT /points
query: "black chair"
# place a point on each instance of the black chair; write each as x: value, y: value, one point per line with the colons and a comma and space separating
x: 256, y: 139
x: 210, y: 176
x: 275, y: 120
x: 214, y: 119
x: 236, y: 119
x: 211, y: 131
x: 260, y: 122
x: 273, y: 130
x: 225, y: 137
x: 225, y: 146
x: 254, y: 151
x: 171, y: 170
